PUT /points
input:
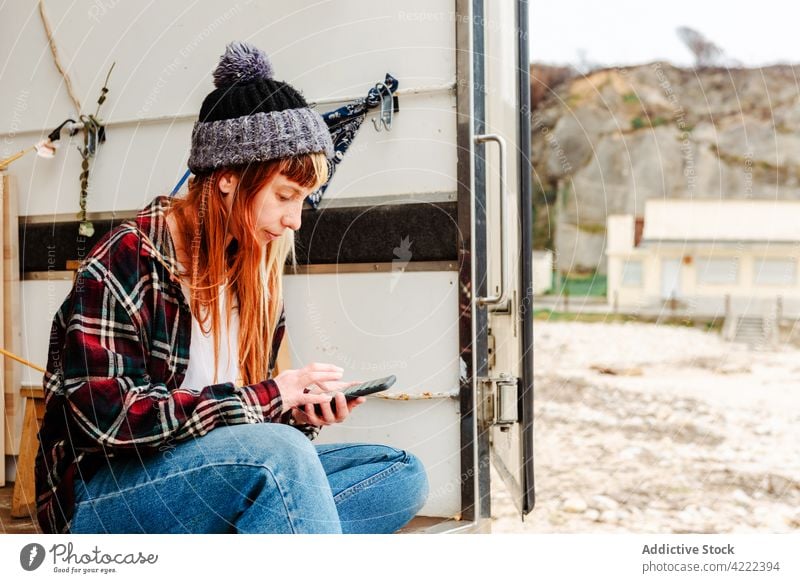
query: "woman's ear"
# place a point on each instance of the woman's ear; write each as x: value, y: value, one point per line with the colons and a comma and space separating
x: 227, y: 183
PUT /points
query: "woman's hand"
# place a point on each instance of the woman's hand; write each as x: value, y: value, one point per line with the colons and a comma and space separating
x: 292, y: 384
x: 306, y: 414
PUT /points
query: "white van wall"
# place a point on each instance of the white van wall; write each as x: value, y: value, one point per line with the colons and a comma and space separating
x: 374, y: 325
x: 164, y: 56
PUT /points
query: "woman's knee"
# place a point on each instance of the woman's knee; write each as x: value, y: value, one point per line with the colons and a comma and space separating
x: 255, y: 443
x: 417, y: 479
x: 412, y: 479
x: 281, y: 448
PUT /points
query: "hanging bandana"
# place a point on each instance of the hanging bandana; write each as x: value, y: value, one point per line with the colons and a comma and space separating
x: 343, y: 123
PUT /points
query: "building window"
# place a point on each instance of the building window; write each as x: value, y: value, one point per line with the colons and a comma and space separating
x: 717, y: 270
x: 775, y: 271
x: 632, y: 273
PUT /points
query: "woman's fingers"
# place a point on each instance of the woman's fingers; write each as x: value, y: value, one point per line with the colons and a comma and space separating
x: 315, y: 419
x: 327, y: 411
x: 309, y: 416
x: 322, y: 382
x: 306, y: 413
x: 353, y: 403
x: 311, y: 378
x: 314, y: 398
x: 342, y: 410
x: 331, y: 386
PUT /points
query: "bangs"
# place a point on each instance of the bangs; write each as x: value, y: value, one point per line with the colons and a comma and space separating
x: 308, y: 170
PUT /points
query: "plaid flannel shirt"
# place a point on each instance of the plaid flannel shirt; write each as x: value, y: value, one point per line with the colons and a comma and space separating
x: 119, y: 349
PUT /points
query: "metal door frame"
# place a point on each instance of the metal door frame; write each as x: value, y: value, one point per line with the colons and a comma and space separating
x: 471, y: 112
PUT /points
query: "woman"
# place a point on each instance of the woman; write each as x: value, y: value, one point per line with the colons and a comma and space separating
x: 162, y: 412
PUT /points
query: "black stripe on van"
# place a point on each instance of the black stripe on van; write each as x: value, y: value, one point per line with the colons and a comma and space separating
x: 381, y: 234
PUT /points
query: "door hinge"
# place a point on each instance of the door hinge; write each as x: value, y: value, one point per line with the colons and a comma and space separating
x: 499, y: 400
x: 490, y: 348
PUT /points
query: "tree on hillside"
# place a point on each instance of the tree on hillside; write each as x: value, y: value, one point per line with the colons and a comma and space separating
x: 705, y: 52
x: 544, y: 80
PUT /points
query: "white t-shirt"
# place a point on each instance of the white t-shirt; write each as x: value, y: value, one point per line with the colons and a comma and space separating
x: 200, y: 371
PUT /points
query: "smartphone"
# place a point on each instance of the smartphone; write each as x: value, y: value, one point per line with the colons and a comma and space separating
x: 361, y: 390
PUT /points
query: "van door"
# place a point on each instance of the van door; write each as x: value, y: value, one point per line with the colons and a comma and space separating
x: 503, y: 223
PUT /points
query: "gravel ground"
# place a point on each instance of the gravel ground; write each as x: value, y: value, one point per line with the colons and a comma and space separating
x: 659, y: 429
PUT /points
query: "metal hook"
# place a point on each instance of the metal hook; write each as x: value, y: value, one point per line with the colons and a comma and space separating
x: 382, y: 121
x: 387, y: 108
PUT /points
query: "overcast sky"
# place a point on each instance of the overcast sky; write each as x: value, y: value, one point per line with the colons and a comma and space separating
x: 616, y: 32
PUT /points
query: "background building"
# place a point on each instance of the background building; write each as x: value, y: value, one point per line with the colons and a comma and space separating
x: 710, y: 257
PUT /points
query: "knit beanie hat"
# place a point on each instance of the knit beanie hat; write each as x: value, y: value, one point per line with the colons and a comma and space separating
x: 251, y: 117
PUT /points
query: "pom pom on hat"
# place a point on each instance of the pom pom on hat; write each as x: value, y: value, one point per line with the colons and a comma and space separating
x: 242, y: 63
x: 252, y: 117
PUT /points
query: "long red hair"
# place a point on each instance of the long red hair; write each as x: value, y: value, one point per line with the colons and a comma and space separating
x: 254, y: 272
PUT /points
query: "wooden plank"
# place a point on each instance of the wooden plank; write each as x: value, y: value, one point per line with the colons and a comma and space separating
x: 420, y: 524
x: 12, y: 330
x: 32, y: 391
x: 3, y: 193
x: 23, y: 501
x: 9, y: 525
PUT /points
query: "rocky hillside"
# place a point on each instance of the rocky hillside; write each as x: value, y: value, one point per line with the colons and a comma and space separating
x: 606, y: 142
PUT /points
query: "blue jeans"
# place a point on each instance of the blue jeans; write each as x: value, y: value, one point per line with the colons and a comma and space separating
x: 259, y: 478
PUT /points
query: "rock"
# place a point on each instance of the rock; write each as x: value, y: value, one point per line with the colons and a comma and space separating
x: 574, y: 504
x: 740, y: 497
x: 604, y: 502
x: 730, y: 369
x: 663, y: 412
x: 688, y: 516
x: 706, y: 512
x: 794, y: 520
x: 630, y: 453
x: 635, y: 512
x: 592, y: 514
x: 609, y: 516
